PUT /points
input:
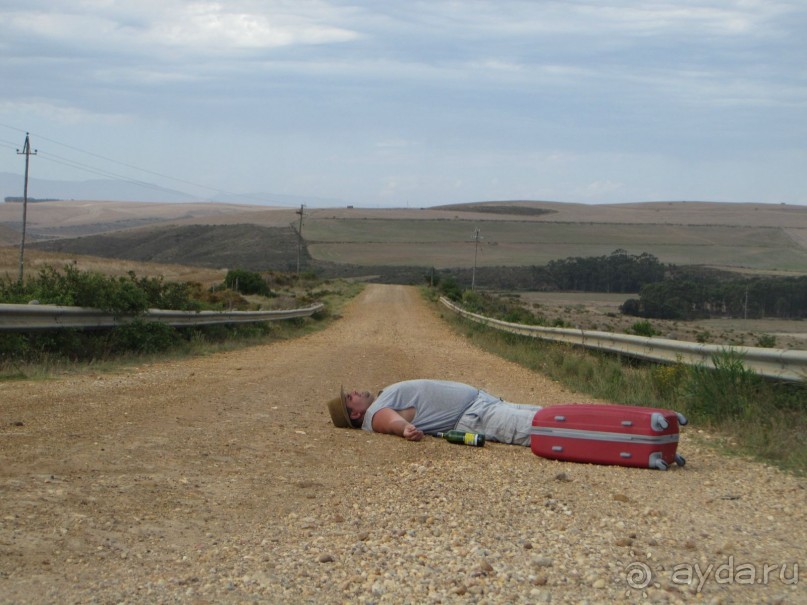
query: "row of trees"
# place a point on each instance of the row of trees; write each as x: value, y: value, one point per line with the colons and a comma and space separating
x: 782, y: 297
x: 618, y: 272
x: 665, y: 291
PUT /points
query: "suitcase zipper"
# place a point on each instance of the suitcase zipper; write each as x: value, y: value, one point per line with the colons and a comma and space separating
x: 605, y: 436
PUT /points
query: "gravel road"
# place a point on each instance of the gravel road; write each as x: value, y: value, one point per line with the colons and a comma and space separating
x: 221, y: 480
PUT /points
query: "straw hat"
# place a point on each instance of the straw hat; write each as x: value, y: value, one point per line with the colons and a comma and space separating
x: 338, y: 409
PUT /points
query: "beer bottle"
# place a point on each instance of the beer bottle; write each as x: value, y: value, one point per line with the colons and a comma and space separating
x: 464, y: 438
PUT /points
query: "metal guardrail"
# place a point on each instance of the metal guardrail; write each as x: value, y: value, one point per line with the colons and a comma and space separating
x: 772, y: 363
x: 23, y: 318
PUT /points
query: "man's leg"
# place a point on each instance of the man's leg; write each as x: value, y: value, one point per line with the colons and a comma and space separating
x: 499, y: 420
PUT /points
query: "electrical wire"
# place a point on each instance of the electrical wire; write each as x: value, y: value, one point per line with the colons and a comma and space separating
x: 102, y: 172
x: 105, y: 173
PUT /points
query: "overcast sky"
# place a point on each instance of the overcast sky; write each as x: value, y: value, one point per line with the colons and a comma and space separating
x: 396, y: 103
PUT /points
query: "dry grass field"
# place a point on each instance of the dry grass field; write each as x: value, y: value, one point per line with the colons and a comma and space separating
x: 600, y: 311
x: 130, y: 236
x: 74, y: 217
x: 754, y: 237
x: 450, y: 243
x: 36, y: 259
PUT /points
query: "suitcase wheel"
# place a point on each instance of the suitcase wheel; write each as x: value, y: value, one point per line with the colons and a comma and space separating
x: 656, y: 461
x: 680, y: 460
x: 682, y: 420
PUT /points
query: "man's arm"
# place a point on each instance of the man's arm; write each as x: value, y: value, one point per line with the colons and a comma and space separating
x: 389, y: 421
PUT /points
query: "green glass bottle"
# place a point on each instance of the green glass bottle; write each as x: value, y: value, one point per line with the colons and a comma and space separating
x: 474, y: 439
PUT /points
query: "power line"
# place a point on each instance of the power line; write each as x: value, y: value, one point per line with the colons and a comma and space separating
x: 101, y: 172
x: 132, y: 166
x: 140, y: 182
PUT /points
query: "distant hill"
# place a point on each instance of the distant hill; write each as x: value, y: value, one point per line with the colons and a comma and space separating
x: 8, y: 236
x: 405, y: 243
x: 215, y: 246
x: 11, y: 185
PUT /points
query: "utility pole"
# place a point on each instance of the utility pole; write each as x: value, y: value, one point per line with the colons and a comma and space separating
x: 300, y: 238
x: 745, y: 306
x: 26, y: 151
x: 476, y: 250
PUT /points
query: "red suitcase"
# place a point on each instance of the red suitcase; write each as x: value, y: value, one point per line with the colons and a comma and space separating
x: 608, y: 434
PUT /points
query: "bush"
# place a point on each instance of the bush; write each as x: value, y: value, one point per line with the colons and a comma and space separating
x: 631, y: 307
x: 451, y: 289
x: 724, y: 392
x: 247, y: 282
x: 766, y: 341
x: 144, y: 337
x: 668, y: 380
x: 128, y: 295
x: 643, y: 328
x: 124, y: 296
x: 472, y: 301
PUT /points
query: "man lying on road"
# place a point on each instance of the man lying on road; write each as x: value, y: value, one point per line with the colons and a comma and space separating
x: 414, y: 408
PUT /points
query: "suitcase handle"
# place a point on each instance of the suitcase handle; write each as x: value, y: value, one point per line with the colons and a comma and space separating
x: 658, y: 422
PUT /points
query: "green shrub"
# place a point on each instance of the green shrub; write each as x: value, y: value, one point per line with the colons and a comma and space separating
x: 247, y: 282
x: 144, y: 337
x: 766, y: 341
x: 127, y: 295
x: 472, y: 301
x: 643, y: 328
x: 723, y: 392
x: 14, y: 346
x: 668, y: 380
x: 450, y: 289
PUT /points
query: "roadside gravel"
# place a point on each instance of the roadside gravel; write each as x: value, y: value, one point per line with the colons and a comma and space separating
x: 221, y: 480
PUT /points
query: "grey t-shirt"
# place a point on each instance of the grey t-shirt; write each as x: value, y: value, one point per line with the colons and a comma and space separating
x: 438, y: 404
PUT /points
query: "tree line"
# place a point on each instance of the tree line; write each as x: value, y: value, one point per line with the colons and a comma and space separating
x: 13, y: 199
x: 617, y: 272
x: 666, y: 291
x: 697, y: 298
x: 669, y: 292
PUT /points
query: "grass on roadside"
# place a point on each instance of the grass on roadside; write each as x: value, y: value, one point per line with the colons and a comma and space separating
x: 764, y: 419
x: 101, y: 356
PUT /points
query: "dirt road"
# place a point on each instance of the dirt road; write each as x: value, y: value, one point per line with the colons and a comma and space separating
x: 221, y: 480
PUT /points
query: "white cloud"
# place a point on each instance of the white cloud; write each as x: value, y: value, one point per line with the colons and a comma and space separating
x: 61, y: 114
x: 203, y: 26
x: 150, y: 27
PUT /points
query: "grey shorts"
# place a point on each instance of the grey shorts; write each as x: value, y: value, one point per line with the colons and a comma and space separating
x: 498, y: 420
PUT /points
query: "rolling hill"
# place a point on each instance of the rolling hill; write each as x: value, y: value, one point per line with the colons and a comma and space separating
x: 400, y: 242
x: 9, y: 236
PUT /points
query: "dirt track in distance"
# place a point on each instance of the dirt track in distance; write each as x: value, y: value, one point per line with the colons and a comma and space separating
x: 221, y: 480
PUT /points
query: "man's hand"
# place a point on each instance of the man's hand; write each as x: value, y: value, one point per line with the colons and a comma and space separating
x: 412, y: 433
